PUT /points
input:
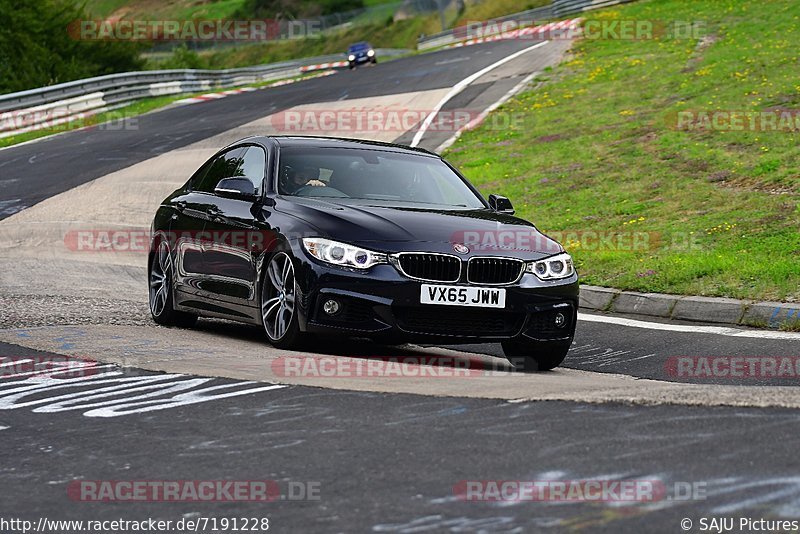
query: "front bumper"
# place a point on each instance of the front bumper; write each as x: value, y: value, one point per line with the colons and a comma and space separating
x: 359, y: 60
x: 382, y: 303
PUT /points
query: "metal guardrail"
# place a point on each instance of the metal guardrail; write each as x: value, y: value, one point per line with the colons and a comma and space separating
x: 556, y: 10
x: 43, y: 95
x: 562, y: 8
x: 453, y: 36
x: 25, y: 110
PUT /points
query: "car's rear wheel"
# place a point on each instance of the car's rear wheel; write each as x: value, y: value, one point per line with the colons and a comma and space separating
x: 278, y: 306
x: 161, y: 300
x: 533, y: 356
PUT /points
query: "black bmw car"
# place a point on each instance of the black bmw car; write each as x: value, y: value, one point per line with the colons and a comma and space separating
x: 311, y: 235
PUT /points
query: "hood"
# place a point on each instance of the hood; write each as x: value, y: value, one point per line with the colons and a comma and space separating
x: 397, y: 229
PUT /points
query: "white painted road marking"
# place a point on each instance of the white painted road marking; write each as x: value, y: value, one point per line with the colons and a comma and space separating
x: 690, y: 329
x: 117, y: 395
x: 480, y: 118
x: 460, y: 86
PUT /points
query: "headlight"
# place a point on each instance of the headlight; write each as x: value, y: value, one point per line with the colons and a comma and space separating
x: 553, y: 268
x: 371, y: 53
x: 351, y: 57
x: 342, y: 254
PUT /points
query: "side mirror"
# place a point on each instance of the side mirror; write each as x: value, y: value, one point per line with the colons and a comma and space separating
x: 501, y: 204
x: 236, y: 187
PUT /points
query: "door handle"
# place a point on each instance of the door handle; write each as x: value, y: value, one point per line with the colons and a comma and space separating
x: 215, y: 214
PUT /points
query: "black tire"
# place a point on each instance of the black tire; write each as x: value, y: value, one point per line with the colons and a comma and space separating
x: 160, y: 297
x: 535, y: 356
x: 276, y: 294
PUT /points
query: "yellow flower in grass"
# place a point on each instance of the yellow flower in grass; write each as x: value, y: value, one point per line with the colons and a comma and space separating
x: 633, y: 221
x: 611, y: 15
x: 595, y: 73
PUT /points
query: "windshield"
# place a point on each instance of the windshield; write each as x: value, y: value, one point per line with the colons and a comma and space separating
x: 358, y: 47
x: 385, y: 178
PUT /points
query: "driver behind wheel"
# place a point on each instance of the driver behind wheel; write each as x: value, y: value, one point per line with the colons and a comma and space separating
x: 302, y: 177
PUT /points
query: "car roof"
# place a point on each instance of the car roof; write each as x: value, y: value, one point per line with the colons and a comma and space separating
x: 360, y: 44
x: 311, y: 141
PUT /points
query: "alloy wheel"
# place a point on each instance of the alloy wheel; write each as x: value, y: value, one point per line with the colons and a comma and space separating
x: 278, y: 296
x: 160, y: 277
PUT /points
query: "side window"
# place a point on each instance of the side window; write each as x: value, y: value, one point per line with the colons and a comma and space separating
x: 225, y: 165
x: 254, y: 166
x: 198, y: 176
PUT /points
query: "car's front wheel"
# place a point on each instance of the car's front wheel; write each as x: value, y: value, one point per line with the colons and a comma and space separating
x: 160, y: 278
x: 533, y: 356
x: 278, y: 305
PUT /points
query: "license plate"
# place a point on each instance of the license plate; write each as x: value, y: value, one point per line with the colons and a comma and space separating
x: 480, y: 297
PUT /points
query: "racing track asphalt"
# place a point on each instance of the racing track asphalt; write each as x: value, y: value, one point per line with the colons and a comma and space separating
x: 388, y: 461
x: 32, y: 172
x: 392, y: 462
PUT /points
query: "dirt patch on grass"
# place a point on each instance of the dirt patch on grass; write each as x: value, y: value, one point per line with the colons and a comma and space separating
x: 702, y: 45
x: 550, y: 138
x: 719, y: 176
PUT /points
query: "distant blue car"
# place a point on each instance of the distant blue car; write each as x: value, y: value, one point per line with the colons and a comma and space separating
x: 359, y: 53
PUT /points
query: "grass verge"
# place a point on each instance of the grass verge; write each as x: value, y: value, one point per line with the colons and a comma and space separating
x: 597, y: 152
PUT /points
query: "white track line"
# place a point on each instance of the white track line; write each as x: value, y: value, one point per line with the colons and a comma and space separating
x: 457, y: 88
x: 482, y: 116
x: 717, y: 330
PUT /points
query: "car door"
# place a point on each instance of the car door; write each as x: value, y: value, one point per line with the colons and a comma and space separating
x: 188, y: 231
x: 234, y: 241
x: 185, y: 231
